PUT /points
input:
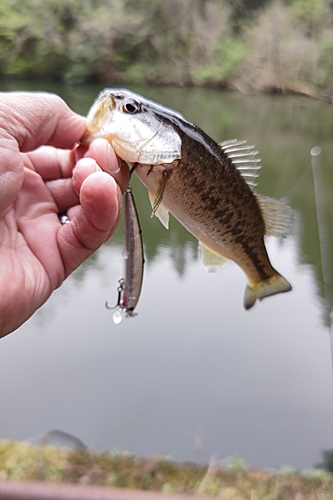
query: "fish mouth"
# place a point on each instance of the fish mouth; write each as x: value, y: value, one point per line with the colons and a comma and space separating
x: 100, y: 114
x: 106, y: 98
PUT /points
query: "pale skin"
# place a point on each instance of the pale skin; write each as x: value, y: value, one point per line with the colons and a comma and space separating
x: 43, y: 173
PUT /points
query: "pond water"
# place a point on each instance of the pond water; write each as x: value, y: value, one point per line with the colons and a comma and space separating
x: 193, y: 375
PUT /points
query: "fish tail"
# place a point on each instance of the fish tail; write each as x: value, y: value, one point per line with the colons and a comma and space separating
x: 272, y: 286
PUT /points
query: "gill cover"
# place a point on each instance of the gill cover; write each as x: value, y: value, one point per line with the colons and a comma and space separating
x: 134, y: 129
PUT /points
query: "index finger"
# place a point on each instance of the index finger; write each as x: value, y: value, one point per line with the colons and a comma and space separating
x: 51, y: 163
x: 27, y: 121
x: 34, y: 119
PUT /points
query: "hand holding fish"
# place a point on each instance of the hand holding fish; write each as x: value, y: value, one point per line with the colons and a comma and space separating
x: 42, y: 175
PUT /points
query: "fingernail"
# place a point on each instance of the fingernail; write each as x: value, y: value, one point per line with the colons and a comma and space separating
x: 113, y: 165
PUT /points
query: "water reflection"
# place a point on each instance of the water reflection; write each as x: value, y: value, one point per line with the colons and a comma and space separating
x: 255, y: 383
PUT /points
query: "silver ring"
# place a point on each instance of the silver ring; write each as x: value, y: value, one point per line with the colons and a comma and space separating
x: 64, y: 219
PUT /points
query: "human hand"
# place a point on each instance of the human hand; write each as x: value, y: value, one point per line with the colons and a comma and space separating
x: 37, y: 252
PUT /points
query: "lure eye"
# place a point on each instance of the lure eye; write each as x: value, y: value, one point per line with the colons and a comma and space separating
x: 131, y: 107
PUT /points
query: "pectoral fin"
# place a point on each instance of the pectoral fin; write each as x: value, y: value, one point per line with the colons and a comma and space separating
x: 159, y: 195
x: 156, y: 202
x: 162, y: 213
x: 210, y: 259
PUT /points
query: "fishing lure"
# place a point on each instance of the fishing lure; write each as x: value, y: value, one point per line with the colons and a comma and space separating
x: 129, y: 288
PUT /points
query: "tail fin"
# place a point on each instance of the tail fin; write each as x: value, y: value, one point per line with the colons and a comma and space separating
x: 272, y: 286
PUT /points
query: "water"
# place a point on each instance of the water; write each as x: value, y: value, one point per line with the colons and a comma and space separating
x: 193, y: 374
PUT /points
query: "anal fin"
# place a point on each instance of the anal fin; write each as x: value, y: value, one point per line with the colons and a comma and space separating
x: 211, y: 260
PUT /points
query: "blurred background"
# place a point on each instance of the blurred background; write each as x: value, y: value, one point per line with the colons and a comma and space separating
x: 193, y: 375
x: 250, y: 44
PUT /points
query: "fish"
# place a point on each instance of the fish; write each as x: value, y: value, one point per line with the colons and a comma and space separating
x: 129, y: 288
x: 208, y: 187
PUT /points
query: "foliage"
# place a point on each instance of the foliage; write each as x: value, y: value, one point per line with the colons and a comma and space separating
x: 289, y: 47
x: 262, y: 43
x: 21, y: 461
x: 229, y: 53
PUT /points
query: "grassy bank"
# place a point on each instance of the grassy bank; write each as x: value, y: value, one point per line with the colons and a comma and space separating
x: 22, y: 461
x: 261, y: 45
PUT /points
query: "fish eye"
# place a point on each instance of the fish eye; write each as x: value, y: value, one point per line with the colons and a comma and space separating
x: 131, y: 107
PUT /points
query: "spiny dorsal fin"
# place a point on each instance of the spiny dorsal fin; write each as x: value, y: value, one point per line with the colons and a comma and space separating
x: 278, y: 217
x: 210, y: 259
x: 244, y: 158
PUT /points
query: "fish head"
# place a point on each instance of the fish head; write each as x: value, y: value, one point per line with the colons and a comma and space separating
x: 135, y: 127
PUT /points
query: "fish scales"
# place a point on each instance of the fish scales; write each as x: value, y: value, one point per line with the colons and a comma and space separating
x: 212, y: 190
x: 191, y: 176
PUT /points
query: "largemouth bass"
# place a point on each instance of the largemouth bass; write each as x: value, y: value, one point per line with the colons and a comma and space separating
x: 198, y: 181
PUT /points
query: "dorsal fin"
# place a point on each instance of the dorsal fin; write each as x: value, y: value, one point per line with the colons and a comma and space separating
x: 278, y: 217
x: 244, y: 158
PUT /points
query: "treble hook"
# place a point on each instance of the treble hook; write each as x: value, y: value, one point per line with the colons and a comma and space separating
x: 120, y: 288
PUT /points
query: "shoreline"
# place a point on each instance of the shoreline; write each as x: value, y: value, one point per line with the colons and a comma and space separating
x: 24, y: 462
x: 236, y: 85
